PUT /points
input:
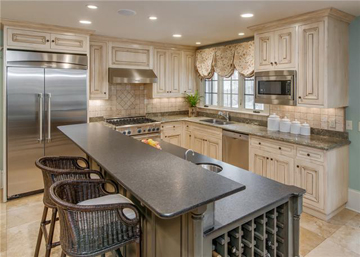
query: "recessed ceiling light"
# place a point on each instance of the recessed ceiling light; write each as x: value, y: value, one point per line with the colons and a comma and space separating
x: 153, y: 18
x: 176, y: 35
x: 90, y: 6
x: 85, y: 22
x: 126, y: 12
x: 247, y: 15
x: 241, y: 34
x: 198, y: 43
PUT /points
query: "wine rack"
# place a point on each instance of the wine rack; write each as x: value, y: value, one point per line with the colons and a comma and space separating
x: 266, y: 235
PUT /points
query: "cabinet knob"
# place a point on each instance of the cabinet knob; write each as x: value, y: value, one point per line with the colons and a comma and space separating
x: 53, y: 41
x: 308, y: 154
x: 267, y: 158
x: 271, y: 159
x: 272, y: 63
x: 275, y: 63
x: 299, y: 97
x: 173, y: 126
x: 259, y: 143
x: 297, y: 166
x: 104, y: 93
x: 279, y: 148
x: 47, y: 40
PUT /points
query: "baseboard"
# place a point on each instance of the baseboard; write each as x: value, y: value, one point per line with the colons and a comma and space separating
x: 354, y: 200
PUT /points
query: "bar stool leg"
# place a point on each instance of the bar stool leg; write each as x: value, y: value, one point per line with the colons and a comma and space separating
x: 51, y: 233
x: 63, y: 254
x: 138, y: 249
x: 40, y: 235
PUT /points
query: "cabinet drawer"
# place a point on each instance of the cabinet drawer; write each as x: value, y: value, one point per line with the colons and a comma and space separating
x: 310, y: 154
x: 69, y: 42
x: 171, y: 127
x: 28, y: 39
x: 211, y: 131
x: 273, y: 146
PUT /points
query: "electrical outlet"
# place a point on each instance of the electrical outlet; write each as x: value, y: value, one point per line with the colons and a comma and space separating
x: 349, y: 125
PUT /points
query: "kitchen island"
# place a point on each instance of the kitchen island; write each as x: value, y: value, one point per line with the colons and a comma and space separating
x: 176, y: 198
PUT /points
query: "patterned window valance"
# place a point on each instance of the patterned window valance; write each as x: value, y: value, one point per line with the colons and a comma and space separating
x: 224, y: 59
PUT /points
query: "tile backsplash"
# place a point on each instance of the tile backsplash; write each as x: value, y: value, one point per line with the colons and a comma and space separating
x: 132, y: 100
x: 331, y: 119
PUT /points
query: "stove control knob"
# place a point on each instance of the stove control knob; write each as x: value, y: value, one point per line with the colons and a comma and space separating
x: 153, y: 129
x: 157, y: 129
x: 124, y: 132
x: 149, y: 130
x: 129, y: 132
x: 139, y: 131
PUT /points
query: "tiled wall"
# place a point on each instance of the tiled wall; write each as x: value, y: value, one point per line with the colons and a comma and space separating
x: 316, y: 117
x: 132, y: 100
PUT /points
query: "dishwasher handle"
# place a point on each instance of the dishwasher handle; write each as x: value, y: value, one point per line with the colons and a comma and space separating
x: 235, y: 135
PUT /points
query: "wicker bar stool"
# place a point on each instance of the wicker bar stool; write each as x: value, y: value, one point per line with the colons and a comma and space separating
x: 56, y: 169
x: 94, y: 221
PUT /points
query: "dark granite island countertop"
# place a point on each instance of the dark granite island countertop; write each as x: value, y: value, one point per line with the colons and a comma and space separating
x: 166, y: 184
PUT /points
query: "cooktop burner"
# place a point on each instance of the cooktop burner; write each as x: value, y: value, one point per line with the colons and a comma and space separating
x: 129, y: 121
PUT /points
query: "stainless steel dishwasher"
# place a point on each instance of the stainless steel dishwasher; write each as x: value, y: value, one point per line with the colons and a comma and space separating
x: 236, y: 149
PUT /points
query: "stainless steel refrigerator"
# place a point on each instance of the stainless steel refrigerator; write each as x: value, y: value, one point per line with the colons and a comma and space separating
x: 44, y: 91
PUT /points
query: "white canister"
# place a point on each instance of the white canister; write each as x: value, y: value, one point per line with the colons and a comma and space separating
x: 295, y: 127
x: 305, y: 129
x: 285, y: 125
x: 273, y: 122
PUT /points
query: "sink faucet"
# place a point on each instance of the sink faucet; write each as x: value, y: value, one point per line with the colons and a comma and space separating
x: 186, y: 153
x: 225, y: 115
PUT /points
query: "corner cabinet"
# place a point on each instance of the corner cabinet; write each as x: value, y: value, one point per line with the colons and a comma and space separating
x: 175, y: 70
x: 98, y: 70
x: 314, y: 44
x: 323, y: 174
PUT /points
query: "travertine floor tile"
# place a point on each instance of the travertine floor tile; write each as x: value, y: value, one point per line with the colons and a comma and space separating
x: 354, y: 222
x: 330, y: 249
x: 308, y: 241
x: 320, y: 227
x: 347, y: 237
x: 24, y: 214
x: 342, y: 217
x: 24, y: 201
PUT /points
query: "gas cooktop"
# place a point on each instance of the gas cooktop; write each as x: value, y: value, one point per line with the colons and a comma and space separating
x: 130, y: 121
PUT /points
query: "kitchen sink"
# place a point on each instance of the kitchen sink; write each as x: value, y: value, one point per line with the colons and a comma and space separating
x: 217, y: 122
x: 212, y: 167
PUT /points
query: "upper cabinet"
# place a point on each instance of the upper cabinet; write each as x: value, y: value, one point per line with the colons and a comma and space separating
x: 275, y: 50
x: 98, y: 70
x: 131, y: 56
x: 175, y: 70
x: 41, y: 40
x: 316, y: 46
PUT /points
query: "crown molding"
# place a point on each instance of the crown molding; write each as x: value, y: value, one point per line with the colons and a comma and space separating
x: 141, y: 42
x: 328, y: 12
x: 41, y: 26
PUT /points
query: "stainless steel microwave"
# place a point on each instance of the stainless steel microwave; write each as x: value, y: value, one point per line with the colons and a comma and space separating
x: 275, y: 87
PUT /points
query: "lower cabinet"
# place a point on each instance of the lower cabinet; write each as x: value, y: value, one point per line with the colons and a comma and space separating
x: 323, y: 174
x: 174, y: 139
x: 172, y: 133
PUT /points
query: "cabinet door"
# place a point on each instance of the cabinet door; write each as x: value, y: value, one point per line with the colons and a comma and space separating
x: 28, y: 39
x: 213, y: 147
x: 175, y: 72
x: 310, y: 177
x: 98, y: 70
x: 264, y: 52
x: 161, y: 71
x: 311, y: 64
x: 197, y: 143
x: 188, y: 84
x: 187, y: 139
x: 285, y: 48
x: 174, y: 139
x: 131, y: 56
x: 283, y: 168
x: 260, y: 163
x: 69, y: 42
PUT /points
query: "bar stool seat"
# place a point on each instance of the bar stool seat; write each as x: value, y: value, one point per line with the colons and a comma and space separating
x: 94, y: 221
x: 57, y: 168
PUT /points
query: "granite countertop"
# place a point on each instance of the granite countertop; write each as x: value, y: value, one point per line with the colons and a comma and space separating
x: 315, y: 141
x: 166, y: 184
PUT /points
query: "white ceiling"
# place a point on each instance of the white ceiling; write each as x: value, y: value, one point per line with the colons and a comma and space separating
x: 205, y: 21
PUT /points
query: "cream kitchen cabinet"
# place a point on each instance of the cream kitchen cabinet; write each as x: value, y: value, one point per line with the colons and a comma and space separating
x: 275, y: 50
x: 98, y: 70
x: 124, y: 55
x: 323, y: 174
x: 175, y: 72
x: 316, y: 46
x: 172, y: 133
x: 43, y: 40
x: 188, y: 82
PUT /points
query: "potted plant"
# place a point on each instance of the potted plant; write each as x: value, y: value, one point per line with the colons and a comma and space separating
x: 193, y: 100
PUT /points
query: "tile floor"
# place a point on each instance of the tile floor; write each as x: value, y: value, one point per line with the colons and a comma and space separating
x: 339, y: 237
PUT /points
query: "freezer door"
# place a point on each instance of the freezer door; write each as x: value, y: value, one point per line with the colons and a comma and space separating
x: 25, y: 144
x: 65, y: 104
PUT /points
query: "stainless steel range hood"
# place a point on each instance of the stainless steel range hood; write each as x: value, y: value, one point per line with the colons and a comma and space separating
x: 118, y: 75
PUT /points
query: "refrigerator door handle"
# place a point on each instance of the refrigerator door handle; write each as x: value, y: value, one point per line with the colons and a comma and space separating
x: 49, y: 117
x: 40, y: 95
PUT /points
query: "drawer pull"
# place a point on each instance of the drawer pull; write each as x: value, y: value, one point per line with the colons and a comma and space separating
x: 297, y: 166
x: 279, y: 148
x: 267, y: 158
x: 173, y: 126
x: 271, y: 159
x: 259, y: 143
x: 308, y: 154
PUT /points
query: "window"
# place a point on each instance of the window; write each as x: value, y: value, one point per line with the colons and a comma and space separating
x: 235, y: 93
